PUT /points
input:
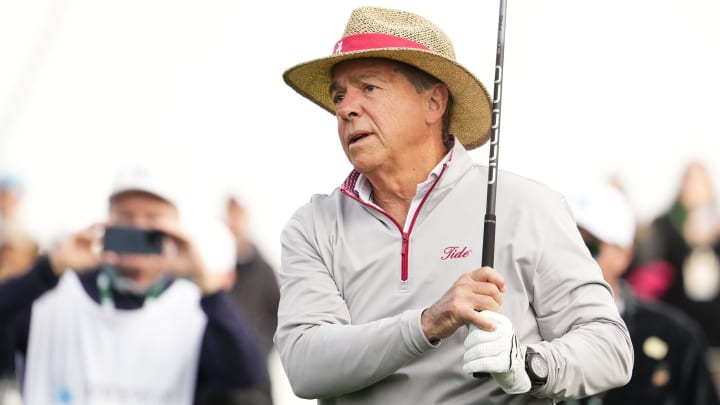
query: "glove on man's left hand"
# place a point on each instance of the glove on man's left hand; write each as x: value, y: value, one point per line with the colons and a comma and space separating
x: 497, y: 353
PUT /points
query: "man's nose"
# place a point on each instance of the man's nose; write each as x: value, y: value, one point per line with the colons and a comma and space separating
x: 349, y: 107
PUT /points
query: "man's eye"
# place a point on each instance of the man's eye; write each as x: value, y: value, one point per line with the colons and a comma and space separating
x: 338, y: 98
x: 370, y: 87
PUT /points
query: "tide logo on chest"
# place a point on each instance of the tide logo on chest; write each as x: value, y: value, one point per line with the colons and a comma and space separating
x: 455, y: 252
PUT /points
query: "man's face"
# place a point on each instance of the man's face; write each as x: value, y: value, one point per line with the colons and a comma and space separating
x: 382, y: 120
x: 696, y: 189
x: 141, y: 210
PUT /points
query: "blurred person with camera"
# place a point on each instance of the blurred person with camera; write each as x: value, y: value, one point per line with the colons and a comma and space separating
x: 128, y: 311
x: 670, y: 364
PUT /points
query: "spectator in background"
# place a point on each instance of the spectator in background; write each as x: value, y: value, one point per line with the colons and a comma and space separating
x: 216, y: 244
x: 255, y: 287
x: 11, y: 196
x: 670, y: 350
x: 127, y: 328
x: 649, y: 279
x: 18, y: 250
x: 687, y: 236
x: 12, y: 224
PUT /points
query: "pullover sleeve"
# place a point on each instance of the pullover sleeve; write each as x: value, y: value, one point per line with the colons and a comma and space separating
x: 324, y: 354
x: 584, y: 339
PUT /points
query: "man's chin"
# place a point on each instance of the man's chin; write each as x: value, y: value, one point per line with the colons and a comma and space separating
x: 363, y: 166
x: 138, y: 277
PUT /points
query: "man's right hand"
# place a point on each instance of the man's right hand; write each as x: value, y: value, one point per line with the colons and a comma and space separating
x: 473, y: 292
x: 78, y: 251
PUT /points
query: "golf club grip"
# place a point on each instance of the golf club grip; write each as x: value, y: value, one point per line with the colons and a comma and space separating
x: 488, y: 257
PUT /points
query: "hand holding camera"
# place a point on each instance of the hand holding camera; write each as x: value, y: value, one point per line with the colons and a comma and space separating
x: 139, y: 252
x: 164, y: 248
x: 79, y: 251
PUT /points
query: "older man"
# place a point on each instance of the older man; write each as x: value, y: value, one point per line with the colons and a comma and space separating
x: 380, y: 279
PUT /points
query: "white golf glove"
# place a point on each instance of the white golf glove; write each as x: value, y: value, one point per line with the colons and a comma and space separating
x: 497, y: 353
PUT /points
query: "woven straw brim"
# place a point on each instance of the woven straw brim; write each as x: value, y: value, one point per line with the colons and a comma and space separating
x: 471, y: 116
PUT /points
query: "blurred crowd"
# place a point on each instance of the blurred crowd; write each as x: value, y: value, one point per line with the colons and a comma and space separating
x: 667, y: 270
x: 666, y: 296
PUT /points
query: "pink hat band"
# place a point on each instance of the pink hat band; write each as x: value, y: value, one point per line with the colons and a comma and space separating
x: 363, y: 42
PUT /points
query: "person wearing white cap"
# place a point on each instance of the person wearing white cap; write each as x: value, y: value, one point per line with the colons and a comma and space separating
x: 384, y: 296
x: 670, y: 351
x: 102, y: 324
x: 255, y: 287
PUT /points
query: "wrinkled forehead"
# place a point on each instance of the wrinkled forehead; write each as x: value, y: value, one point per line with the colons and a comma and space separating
x: 364, y: 64
x: 361, y: 69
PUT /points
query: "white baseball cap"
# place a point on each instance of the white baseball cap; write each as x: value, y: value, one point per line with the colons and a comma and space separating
x: 603, y: 211
x: 138, y: 178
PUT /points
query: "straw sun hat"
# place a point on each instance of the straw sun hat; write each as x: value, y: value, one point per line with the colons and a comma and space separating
x: 374, y: 32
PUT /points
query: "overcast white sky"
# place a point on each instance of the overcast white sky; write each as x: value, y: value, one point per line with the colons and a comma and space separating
x: 87, y: 86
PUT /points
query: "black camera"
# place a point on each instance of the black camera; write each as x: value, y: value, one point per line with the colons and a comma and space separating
x: 127, y: 239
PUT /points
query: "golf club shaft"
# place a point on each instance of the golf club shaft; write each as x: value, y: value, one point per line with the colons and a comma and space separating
x: 488, y: 253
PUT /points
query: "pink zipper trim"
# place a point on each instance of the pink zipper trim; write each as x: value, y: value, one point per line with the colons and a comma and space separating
x: 406, y: 236
x: 404, y: 253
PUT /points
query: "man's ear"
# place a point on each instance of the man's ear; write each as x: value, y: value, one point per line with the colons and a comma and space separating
x: 437, y: 102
